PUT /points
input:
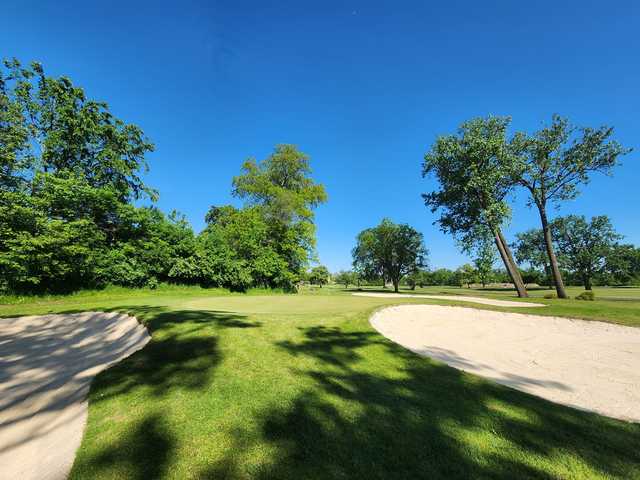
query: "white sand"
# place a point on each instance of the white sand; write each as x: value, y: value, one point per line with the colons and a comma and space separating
x: 46, y: 366
x: 589, y: 365
x: 459, y: 298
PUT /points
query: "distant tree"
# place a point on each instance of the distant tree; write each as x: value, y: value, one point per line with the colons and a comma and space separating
x: 554, y: 162
x: 484, y: 259
x: 473, y: 169
x: 584, y: 246
x: 391, y: 250
x: 441, y: 276
x: 530, y: 247
x: 346, y: 278
x: 366, y: 256
x: 319, y: 275
x: 466, y: 275
x: 622, y: 265
x: 419, y: 277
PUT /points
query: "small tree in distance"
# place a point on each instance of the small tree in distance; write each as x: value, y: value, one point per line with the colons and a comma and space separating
x: 484, y: 261
x: 392, y: 250
x: 530, y: 248
x: 584, y: 246
x: 466, y: 275
x: 346, y: 278
x: 319, y: 275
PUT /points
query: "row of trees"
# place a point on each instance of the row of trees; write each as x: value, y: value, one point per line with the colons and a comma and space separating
x: 480, y: 166
x: 70, y: 181
x: 586, y: 250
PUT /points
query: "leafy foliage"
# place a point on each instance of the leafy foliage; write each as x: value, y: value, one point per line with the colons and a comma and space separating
x: 70, y: 173
x: 530, y: 248
x: 622, y: 265
x: 319, y: 275
x: 552, y: 163
x: 389, y: 250
x: 473, y: 170
x: 584, y: 246
x: 346, y: 278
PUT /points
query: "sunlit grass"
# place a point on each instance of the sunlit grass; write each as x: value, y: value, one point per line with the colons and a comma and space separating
x: 300, y: 386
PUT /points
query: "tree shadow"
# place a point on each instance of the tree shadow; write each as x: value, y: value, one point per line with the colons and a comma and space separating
x: 424, y: 420
x: 130, y: 456
x: 182, y: 353
x: 47, y: 363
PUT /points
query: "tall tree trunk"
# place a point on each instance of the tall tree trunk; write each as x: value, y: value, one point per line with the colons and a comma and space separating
x: 509, y: 263
x: 395, y: 284
x: 587, y: 281
x: 553, y: 260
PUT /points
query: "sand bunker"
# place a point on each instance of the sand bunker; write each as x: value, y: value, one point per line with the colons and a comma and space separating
x: 589, y: 365
x: 459, y: 298
x: 46, y: 366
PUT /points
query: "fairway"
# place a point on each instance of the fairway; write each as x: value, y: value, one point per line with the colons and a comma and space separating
x: 301, y: 386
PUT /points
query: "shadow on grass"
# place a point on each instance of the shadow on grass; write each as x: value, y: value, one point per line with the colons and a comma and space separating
x: 374, y: 411
x: 182, y: 355
x: 142, y: 453
x: 423, y: 420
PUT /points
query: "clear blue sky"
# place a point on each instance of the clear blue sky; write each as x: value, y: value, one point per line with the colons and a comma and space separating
x: 363, y: 87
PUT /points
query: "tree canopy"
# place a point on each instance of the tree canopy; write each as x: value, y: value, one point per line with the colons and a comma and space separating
x: 551, y: 165
x: 473, y: 171
x: 319, y: 275
x: 584, y: 246
x: 389, y: 250
x: 71, y: 177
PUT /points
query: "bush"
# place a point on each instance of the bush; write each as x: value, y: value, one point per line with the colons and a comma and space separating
x: 550, y: 295
x: 587, y: 295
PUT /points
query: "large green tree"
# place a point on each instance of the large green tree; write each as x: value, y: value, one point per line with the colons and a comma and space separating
x: 49, y: 125
x: 554, y: 162
x: 69, y: 171
x: 282, y: 187
x: 473, y: 171
x: 584, y: 245
x: 392, y: 250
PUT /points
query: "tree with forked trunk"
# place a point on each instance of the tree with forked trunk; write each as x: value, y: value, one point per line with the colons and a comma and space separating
x: 552, y: 163
x: 473, y: 170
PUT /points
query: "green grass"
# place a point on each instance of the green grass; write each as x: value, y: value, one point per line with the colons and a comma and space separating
x: 300, y: 386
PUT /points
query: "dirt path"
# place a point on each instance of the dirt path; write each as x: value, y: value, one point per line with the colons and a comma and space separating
x: 589, y: 365
x: 459, y: 298
x: 46, y: 366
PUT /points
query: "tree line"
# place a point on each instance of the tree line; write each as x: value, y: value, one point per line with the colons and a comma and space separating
x: 480, y: 167
x: 71, y: 185
x: 71, y: 177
